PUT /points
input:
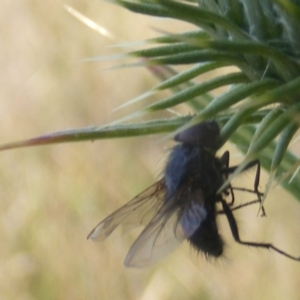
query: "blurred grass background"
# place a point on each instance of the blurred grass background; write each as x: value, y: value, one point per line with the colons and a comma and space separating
x: 52, y: 197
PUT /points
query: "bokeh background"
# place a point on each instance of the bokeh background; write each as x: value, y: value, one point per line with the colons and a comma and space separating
x: 51, y: 197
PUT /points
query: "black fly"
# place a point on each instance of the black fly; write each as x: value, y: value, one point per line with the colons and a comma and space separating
x: 183, y: 204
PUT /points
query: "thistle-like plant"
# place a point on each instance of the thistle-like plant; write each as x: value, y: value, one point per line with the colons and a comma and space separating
x: 259, y: 111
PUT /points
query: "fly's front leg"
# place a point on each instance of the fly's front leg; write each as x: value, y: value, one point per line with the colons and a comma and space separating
x: 225, y: 164
x: 250, y: 165
x: 256, y: 182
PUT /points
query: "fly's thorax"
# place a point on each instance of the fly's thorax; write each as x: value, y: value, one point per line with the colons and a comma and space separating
x: 194, y: 166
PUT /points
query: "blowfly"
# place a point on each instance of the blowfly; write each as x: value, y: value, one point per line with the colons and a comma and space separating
x: 183, y: 205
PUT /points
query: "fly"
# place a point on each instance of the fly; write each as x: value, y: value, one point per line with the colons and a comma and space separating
x: 183, y: 204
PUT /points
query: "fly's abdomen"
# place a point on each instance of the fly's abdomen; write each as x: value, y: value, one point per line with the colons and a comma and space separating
x: 206, y: 238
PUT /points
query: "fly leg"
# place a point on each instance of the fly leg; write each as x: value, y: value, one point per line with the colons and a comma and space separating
x: 236, y: 236
x: 255, y: 190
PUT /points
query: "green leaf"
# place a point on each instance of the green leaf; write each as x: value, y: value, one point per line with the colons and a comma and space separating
x: 105, y: 132
x: 196, y: 90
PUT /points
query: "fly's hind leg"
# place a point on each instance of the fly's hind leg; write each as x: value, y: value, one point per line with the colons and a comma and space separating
x: 235, y: 234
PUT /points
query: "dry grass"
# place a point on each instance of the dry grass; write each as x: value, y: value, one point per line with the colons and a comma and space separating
x: 51, y: 197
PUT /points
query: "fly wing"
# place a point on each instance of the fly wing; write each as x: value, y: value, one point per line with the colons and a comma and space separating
x: 160, y: 237
x: 169, y: 227
x: 140, y: 210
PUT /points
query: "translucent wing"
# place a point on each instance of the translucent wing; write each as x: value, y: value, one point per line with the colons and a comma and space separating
x: 161, y: 236
x: 169, y: 227
x: 140, y: 210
